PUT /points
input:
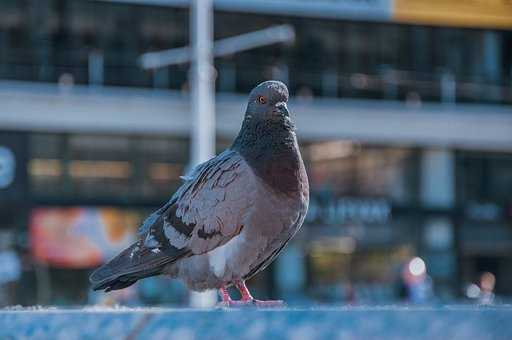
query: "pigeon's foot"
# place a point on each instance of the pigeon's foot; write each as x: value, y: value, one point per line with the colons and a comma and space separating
x: 246, y: 300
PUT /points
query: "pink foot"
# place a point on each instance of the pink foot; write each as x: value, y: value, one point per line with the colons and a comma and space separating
x: 247, y: 300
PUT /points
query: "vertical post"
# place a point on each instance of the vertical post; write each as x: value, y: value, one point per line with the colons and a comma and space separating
x: 448, y: 88
x: 440, y: 237
x: 202, y: 102
x: 330, y: 82
x: 96, y: 68
x: 438, y: 178
x: 202, y: 99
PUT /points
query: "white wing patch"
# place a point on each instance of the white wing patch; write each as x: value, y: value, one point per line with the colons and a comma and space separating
x: 134, y: 251
x: 218, y: 257
x: 176, y: 239
x: 150, y: 241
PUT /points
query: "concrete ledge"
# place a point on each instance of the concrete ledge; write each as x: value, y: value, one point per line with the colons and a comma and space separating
x: 449, y: 322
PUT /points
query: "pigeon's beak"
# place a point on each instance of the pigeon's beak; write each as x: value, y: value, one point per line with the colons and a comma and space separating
x: 282, y: 109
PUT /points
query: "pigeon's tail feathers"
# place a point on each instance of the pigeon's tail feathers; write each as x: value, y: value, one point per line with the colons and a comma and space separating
x: 131, y: 265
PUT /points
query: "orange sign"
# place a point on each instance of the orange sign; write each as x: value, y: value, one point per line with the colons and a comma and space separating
x: 80, y: 237
x: 461, y: 13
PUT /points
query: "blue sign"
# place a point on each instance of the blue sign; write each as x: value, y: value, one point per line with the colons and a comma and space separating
x: 7, y: 167
x: 371, y: 10
x: 378, y: 10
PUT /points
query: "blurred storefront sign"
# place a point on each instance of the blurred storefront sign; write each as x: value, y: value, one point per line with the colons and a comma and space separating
x: 7, y: 167
x: 341, y: 210
x: 462, y: 13
x: 13, y: 172
x: 80, y: 237
x: 484, y: 211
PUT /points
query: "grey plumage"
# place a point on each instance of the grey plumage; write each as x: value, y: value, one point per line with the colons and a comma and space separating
x: 232, y: 215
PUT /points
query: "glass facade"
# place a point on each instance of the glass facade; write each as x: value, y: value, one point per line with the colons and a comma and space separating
x: 94, y: 42
x: 485, y: 196
x: 121, y: 177
x: 368, y: 215
x: 103, y: 168
x: 362, y: 223
x: 74, y: 179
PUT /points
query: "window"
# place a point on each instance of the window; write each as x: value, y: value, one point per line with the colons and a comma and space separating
x: 103, y: 168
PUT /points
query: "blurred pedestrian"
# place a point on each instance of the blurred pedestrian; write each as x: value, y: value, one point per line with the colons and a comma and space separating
x: 416, y: 284
x: 487, y: 284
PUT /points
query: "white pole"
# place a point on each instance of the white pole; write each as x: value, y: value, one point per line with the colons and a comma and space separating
x: 202, y: 98
x: 202, y: 102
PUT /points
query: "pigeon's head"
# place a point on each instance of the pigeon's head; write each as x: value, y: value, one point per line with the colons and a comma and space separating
x: 268, y: 100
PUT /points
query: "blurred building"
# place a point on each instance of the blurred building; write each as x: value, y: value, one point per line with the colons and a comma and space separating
x: 403, y: 112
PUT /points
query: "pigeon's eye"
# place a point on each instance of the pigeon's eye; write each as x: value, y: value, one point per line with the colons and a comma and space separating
x: 262, y: 100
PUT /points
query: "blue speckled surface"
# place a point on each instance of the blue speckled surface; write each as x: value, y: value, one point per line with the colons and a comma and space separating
x: 392, y: 322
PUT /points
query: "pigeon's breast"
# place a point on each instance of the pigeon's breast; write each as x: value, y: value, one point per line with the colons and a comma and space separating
x: 280, y: 205
x: 272, y: 221
x: 268, y: 224
x: 284, y: 171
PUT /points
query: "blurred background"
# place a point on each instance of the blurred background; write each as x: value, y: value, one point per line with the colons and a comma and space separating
x: 404, y: 115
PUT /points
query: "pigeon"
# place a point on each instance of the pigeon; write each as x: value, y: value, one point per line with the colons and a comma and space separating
x: 232, y: 215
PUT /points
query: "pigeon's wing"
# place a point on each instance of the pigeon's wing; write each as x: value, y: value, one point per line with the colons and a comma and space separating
x: 209, y: 209
x: 132, y: 264
x: 189, y: 180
